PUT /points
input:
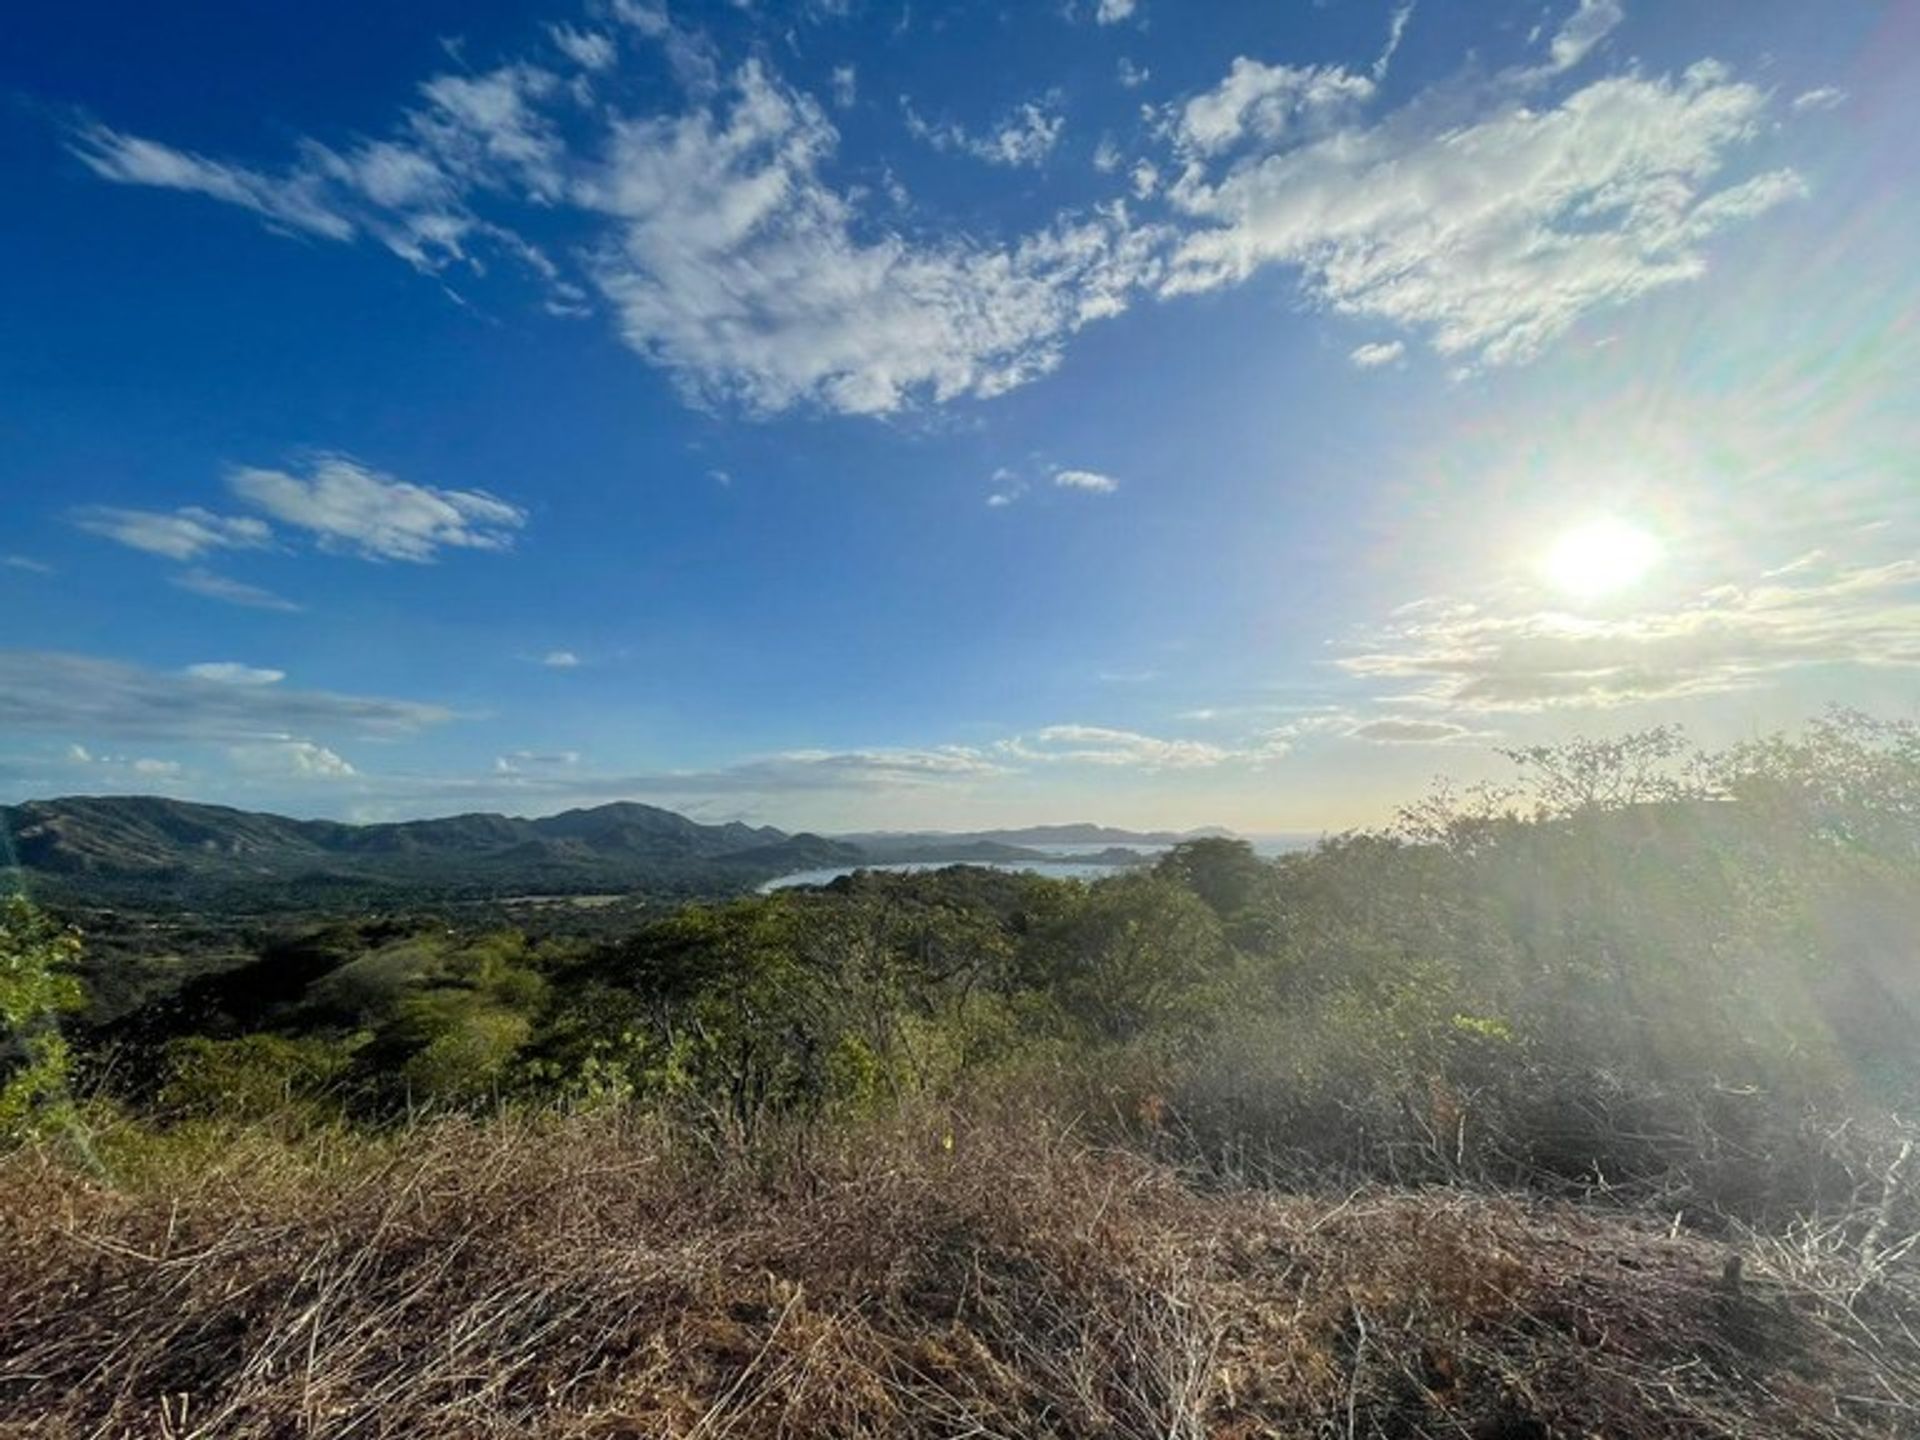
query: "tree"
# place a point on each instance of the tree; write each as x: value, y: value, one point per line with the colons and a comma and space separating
x: 1641, y: 767
x: 37, y: 986
x: 1223, y: 872
x: 1133, y: 954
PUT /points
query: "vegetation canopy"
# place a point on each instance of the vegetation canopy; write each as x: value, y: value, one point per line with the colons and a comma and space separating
x: 1517, y: 1109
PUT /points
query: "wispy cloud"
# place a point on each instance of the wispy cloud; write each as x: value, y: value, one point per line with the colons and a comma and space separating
x: 1089, y: 482
x: 27, y: 563
x: 137, y: 772
x: 184, y: 534
x: 348, y: 507
x: 1474, y: 657
x: 1492, y: 237
x: 232, y: 672
x: 290, y: 760
x: 1268, y: 103
x: 589, y: 49
x: 1824, y: 97
x: 47, y: 692
x: 1488, y: 215
x: 230, y: 591
x: 1396, y: 31
x: 1099, y: 745
x: 297, y: 202
x: 1391, y: 730
x: 1112, y: 12
x: 1380, y: 352
x: 1025, y: 136
x: 560, y: 660
x: 1583, y: 30
x: 786, y: 303
x: 519, y: 762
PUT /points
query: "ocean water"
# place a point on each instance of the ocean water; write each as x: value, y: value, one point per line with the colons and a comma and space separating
x: 1053, y: 869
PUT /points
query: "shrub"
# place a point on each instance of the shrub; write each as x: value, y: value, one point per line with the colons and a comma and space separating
x: 37, y: 985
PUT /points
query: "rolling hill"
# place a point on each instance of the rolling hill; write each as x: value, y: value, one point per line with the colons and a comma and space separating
x: 152, y: 850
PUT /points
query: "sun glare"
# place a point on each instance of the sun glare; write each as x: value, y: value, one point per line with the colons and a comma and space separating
x: 1599, y: 557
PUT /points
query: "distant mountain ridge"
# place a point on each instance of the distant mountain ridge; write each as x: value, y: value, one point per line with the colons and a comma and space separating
x: 147, y: 847
x: 1020, y: 844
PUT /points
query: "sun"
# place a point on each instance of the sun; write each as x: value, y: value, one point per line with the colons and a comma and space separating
x: 1599, y: 558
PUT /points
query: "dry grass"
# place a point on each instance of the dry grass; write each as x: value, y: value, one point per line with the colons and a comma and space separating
x: 992, y: 1276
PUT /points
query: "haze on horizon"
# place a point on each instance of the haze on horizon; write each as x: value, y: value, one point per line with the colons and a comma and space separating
x: 847, y: 416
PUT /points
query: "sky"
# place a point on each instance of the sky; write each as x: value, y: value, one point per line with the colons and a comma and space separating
x: 851, y: 414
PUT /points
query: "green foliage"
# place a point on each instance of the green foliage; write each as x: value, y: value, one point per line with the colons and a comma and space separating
x: 252, y: 1077
x: 1224, y: 873
x: 1131, y: 954
x: 1632, y: 950
x: 37, y: 985
x: 448, y: 1020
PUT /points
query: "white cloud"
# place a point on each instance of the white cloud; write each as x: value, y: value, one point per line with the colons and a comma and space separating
x: 1396, y: 31
x: 1112, y: 12
x: 846, y: 86
x: 1091, y: 482
x: 1584, y: 29
x: 1824, y: 97
x: 1106, y: 156
x: 297, y: 202
x: 1472, y: 657
x: 560, y: 660
x: 142, y: 767
x: 1492, y: 237
x: 1392, y: 731
x: 1025, y: 136
x: 27, y: 563
x: 1009, y: 486
x: 525, y: 780
x: 1267, y: 102
x: 291, y: 760
x: 1378, y: 353
x: 46, y: 692
x: 742, y: 274
x: 1145, y: 176
x: 486, y: 126
x: 184, y: 534
x: 589, y: 49
x: 1098, y: 745
x: 1130, y: 75
x: 521, y: 762
x: 232, y: 672
x: 229, y: 591
x: 1487, y: 215
x: 352, y: 508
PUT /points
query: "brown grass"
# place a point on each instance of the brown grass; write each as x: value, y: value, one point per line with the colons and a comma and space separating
x: 992, y: 1276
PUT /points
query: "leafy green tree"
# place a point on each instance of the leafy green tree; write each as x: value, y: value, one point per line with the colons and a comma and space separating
x: 37, y: 957
x: 449, y: 1022
x: 1223, y: 872
x: 1132, y: 954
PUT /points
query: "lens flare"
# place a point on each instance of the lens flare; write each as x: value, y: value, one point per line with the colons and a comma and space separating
x: 1599, y: 558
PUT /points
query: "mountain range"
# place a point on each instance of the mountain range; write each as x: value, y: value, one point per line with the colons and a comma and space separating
x: 131, y: 849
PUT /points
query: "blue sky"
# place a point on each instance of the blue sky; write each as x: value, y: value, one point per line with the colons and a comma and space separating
x: 848, y: 414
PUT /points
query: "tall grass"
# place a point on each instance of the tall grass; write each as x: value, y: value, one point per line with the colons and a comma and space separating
x: 987, y: 1270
